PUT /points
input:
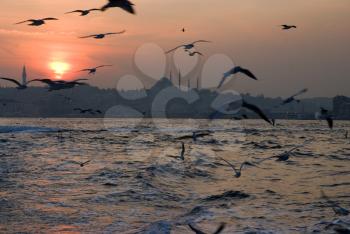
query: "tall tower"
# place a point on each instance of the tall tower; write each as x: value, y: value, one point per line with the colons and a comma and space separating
x: 24, y: 76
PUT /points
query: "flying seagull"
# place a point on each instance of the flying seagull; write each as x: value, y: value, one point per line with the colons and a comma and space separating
x: 83, y: 12
x: 287, y: 27
x: 36, y: 22
x: 336, y: 208
x: 234, y: 71
x: 103, y: 35
x: 292, y: 98
x: 324, y: 114
x: 194, y: 136
x: 183, y: 29
x: 187, y: 46
x: 182, y: 156
x: 82, y: 164
x: 194, y: 53
x: 19, y: 85
x: 94, y: 69
x: 258, y: 111
x: 197, y: 231
x: 285, y: 155
x: 238, y: 171
x: 126, y: 5
x: 60, y: 84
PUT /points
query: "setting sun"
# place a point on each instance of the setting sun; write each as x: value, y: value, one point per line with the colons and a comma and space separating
x: 59, y: 68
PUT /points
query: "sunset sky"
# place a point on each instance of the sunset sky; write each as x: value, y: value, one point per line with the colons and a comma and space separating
x: 316, y: 55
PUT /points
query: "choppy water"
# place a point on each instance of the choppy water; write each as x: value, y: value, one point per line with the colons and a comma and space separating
x: 134, y: 184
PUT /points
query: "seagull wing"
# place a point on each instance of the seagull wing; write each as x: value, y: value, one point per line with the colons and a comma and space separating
x: 49, y: 18
x: 128, y: 6
x: 46, y: 81
x: 121, y: 32
x: 330, y: 122
x: 87, y: 69
x: 174, y: 49
x: 76, y: 11
x: 248, y: 73
x: 76, y: 80
x: 300, y: 92
x: 11, y: 80
x: 200, y: 41
x: 196, y: 230
x: 30, y: 20
x: 220, y: 228
x: 103, y: 66
x: 94, y: 9
x: 257, y: 111
x: 222, y: 81
x: 94, y: 35
x: 228, y: 163
x: 246, y: 163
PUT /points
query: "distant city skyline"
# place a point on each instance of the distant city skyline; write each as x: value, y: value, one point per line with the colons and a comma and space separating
x: 313, y: 56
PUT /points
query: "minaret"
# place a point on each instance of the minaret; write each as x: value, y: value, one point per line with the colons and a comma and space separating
x: 24, y: 76
x: 179, y: 79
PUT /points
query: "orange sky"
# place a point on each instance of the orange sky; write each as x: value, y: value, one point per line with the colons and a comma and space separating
x: 316, y: 55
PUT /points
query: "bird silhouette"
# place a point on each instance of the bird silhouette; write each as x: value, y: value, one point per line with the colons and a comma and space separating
x: 83, y: 12
x: 292, y: 98
x: 324, y: 114
x: 103, y: 35
x: 287, y: 27
x: 239, y: 170
x: 126, y: 5
x: 92, y: 71
x: 234, y: 71
x: 218, y: 230
x: 187, y: 46
x: 36, y: 22
x: 60, y: 84
x: 82, y: 164
x: 283, y: 156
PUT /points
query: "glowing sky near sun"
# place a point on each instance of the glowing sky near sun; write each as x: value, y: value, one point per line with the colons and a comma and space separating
x: 316, y: 55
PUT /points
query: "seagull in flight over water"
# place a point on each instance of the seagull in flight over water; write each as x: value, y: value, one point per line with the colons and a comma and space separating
x: 103, y: 35
x: 197, y: 231
x: 36, y: 22
x: 187, y: 47
x: 19, y: 85
x: 60, y: 84
x: 324, y: 114
x: 83, y: 12
x: 182, y: 156
x: 258, y: 111
x: 126, y: 5
x: 287, y: 27
x: 284, y: 156
x: 93, y: 70
x: 292, y: 98
x: 194, y: 53
x: 238, y: 171
x: 234, y: 71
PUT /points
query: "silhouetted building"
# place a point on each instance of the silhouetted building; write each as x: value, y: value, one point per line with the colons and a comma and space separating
x: 341, y: 107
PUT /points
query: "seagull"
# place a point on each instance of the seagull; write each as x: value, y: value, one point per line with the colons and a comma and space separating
x: 258, y: 111
x: 36, y: 22
x: 194, y: 136
x: 234, y: 71
x: 82, y: 164
x: 19, y: 85
x: 287, y: 27
x: 324, y: 114
x: 238, y: 171
x: 197, y: 231
x: 284, y: 156
x: 60, y: 84
x: 292, y: 98
x: 83, y: 12
x: 187, y: 46
x: 194, y: 53
x: 126, y: 5
x: 103, y: 35
x: 183, y: 30
x: 182, y: 156
x: 93, y: 70
x: 346, y: 134
x: 336, y: 208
